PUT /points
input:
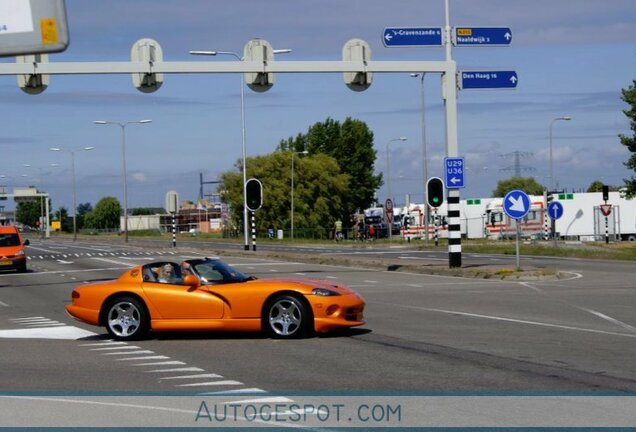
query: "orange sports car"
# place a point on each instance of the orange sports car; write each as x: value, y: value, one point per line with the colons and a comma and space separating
x: 207, y: 294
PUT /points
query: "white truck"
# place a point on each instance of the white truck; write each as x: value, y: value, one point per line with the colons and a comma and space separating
x: 583, y: 218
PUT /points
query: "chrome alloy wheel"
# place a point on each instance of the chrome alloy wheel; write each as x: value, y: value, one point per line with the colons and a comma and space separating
x: 286, y: 316
x: 124, y: 319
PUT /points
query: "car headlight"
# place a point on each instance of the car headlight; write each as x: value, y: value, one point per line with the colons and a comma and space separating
x: 20, y: 252
x: 323, y: 292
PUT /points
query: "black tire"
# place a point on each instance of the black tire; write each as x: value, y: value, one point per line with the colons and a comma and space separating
x: 126, y: 318
x: 21, y: 268
x: 287, y: 317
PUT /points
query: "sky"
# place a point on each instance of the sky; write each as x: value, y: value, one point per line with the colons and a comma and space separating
x: 572, y: 58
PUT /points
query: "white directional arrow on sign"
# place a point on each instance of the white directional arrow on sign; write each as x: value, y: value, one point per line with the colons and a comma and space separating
x: 455, y: 180
x: 517, y: 204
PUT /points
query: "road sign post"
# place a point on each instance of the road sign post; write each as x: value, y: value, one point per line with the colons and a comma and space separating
x: 516, y: 204
x: 412, y: 36
x: 482, y: 36
x: 488, y: 80
x: 454, y: 169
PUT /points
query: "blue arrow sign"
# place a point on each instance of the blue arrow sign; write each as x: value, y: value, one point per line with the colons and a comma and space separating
x: 412, y: 36
x: 489, y: 79
x: 555, y: 210
x: 516, y: 204
x: 454, y: 169
x: 482, y: 36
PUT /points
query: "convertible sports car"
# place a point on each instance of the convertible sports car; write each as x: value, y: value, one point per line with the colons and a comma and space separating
x: 207, y: 294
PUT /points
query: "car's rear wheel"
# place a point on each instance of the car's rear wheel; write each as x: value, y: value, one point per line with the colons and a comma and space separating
x: 287, y: 317
x: 126, y: 319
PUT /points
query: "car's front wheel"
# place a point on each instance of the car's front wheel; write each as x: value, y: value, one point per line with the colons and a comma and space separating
x: 126, y: 319
x: 287, y: 317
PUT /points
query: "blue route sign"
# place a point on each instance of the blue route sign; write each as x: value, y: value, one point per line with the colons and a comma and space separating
x: 555, y: 210
x: 412, y: 36
x: 516, y: 204
x: 454, y: 169
x: 482, y: 36
x: 489, y: 79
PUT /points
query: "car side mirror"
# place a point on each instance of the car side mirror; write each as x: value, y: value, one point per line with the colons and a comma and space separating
x: 27, y: 242
x: 192, y: 280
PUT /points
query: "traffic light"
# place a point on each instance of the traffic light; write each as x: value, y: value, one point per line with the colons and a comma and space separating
x: 259, y: 50
x: 254, y: 194
x: 550, y: 197
x: 357, y: 50
x: 605, y: 192
x: 435, y: 191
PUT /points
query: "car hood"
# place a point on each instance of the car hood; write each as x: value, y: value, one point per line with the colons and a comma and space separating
x: 10, y: 250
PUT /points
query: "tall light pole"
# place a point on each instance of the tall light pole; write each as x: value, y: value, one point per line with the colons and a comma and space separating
x: 243, y: 138
x: 564, y: 118
x: 72, y: 152
x: 388, y: 164
x: 123, y: 152
x: 304, y: 152
x: 424, y: 154
x: 40, y: 169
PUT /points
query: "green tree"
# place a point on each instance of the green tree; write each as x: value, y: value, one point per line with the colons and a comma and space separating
x: 351, y: 145
x: 597, y: 186
x: 629, y: 97
x: 527, y: 184
x: 82, y: 210
x: 319, y: 188
x: 106, y: 214
x: 66, y: 223
x: 28, y: 212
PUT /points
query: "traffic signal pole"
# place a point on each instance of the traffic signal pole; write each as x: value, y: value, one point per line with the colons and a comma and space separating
x: 450, y: 105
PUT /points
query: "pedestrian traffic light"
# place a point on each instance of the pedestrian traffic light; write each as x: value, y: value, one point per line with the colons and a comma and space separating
x: 605, y: 192
x: 254, y: 194
x: 435, y: 192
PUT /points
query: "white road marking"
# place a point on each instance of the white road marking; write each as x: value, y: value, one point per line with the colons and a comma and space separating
x: 27, y: 319
x: 212, y: 375
x: 183, y: 369
x: 3, y: 304
x: 107, y: 342
x: 116, y: 348
x: 171, y: 362
x: 65, y: 332
x: 156, y: 357
x: 128, y: 352
x: 516, y: 321
x: 610, y: 319
x: 112, y: 261
x: 211, y: 383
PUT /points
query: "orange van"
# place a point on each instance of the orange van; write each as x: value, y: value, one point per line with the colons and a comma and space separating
x: 12, y: 254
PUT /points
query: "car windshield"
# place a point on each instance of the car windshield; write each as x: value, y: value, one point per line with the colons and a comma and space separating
x: 9, y: 240
x: 216, y: 271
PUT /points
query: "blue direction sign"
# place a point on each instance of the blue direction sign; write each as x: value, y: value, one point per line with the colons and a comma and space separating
x: 555, y: 210
x: 482, y: 36
x: 516, y: 204
x: 412, y: 36
x: 454, y: 169
x: 489, y: 79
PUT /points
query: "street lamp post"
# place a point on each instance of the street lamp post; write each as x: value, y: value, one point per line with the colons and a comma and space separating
x: 243, y: 138
x: 388, y: 179
x: 424, y: 155
x: 43, y: 229
x: 304, y: 152
x: 565, y: 118
x: 123, y: 152
x: 388, y: 164
x: 72, y: 152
